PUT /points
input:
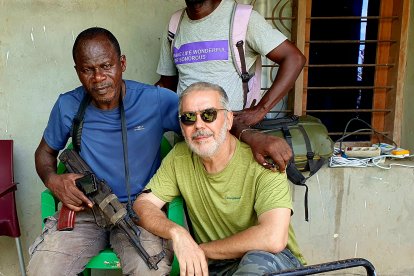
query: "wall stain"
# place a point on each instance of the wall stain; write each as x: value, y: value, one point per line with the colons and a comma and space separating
x: 338, y: 192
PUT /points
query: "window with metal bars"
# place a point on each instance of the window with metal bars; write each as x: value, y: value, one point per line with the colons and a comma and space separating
x: 356, y: 51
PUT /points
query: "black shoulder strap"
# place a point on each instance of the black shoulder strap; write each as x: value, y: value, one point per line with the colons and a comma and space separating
x: 293, y: 174
x: 77, y: 123
x: 297, y: 178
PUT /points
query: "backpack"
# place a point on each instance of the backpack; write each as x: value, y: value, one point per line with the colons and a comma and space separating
x: 238, y: 29
x: 309, y: 141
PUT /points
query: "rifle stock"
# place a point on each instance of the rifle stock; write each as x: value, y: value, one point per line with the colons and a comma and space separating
x: 99, y: 192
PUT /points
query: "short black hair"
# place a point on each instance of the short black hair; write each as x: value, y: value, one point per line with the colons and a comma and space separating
x: 92, y: 33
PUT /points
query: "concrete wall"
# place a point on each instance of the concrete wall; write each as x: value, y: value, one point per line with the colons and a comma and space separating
x: 354, y: 212
x: 359, y: 212
x: 36, y: 39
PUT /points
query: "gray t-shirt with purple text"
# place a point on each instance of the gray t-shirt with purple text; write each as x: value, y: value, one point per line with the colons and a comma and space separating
x: 202, y: 53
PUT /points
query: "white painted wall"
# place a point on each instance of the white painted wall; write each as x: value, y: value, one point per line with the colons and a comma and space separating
x: 36, y: 39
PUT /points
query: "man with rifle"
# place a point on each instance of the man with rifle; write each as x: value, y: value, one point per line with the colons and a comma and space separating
x: 116, y: 126
x: 120, y: 114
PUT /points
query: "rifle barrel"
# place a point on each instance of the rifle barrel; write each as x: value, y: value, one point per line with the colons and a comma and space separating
x: 122, y: 224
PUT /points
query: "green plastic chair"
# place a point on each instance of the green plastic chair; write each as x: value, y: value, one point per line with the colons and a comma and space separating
x: 107, y: 259
x: 176, y: 214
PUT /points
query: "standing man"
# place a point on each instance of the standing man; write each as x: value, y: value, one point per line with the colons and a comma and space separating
x: 240, y: 212
x: 206, y: 24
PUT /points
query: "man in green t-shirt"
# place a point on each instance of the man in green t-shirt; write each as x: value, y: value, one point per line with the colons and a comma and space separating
x: 240, y: 211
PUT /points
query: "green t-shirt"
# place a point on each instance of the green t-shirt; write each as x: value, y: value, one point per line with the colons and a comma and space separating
x: 224, y: 203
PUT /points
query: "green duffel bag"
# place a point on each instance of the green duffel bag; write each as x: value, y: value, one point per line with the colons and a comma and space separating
x: 309, y: 140
x: 306, y: 135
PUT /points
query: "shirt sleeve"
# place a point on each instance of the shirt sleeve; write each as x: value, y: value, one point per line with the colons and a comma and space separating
x: 164, y: 183
x: 57, y: 131
x: 261, y: 37
x: 273, y: 191
x: 166, y: 65
x: 169, y: 110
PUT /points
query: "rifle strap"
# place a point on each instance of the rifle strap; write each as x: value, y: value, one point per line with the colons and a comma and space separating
x: 131, y: 213
x: 77, y: 123
x: 77, y: 126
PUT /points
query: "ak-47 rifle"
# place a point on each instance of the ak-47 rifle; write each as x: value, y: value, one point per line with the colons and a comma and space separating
x: 101, y: 194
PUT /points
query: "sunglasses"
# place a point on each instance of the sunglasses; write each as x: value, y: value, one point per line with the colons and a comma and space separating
x: 208, y: 115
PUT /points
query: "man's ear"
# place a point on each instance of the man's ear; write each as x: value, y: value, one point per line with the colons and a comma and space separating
x: 123, y: 63
x: 230, y: 119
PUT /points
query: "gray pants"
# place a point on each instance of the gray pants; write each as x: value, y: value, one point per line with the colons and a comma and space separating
x: 67, y: 252
x: 255, y: 263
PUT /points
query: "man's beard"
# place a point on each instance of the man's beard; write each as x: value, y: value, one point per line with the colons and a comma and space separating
x: 207, y: 149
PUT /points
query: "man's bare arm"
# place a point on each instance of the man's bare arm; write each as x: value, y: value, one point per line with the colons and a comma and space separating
x: 291, y: 62
x: 270, y: 234
x: 45, y: 161
x: 189, y: 254
x: 169, y: 82
x: 62, y: 186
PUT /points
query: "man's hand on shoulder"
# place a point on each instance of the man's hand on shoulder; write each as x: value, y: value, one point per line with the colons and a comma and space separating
x: 265, y: 147
x: 271, y: 152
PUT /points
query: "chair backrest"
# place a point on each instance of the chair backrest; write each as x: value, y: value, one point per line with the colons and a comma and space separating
x: 6, y: 166
x: 9, y: 223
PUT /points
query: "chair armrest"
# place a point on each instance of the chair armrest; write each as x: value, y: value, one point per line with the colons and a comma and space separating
x: 48, y: 203
x: 176, y: 210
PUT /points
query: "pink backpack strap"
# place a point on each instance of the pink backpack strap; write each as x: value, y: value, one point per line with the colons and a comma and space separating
x: 174, y: 23
x: 174, y: 27
x: 238, y: 28
x: 255, y: 84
